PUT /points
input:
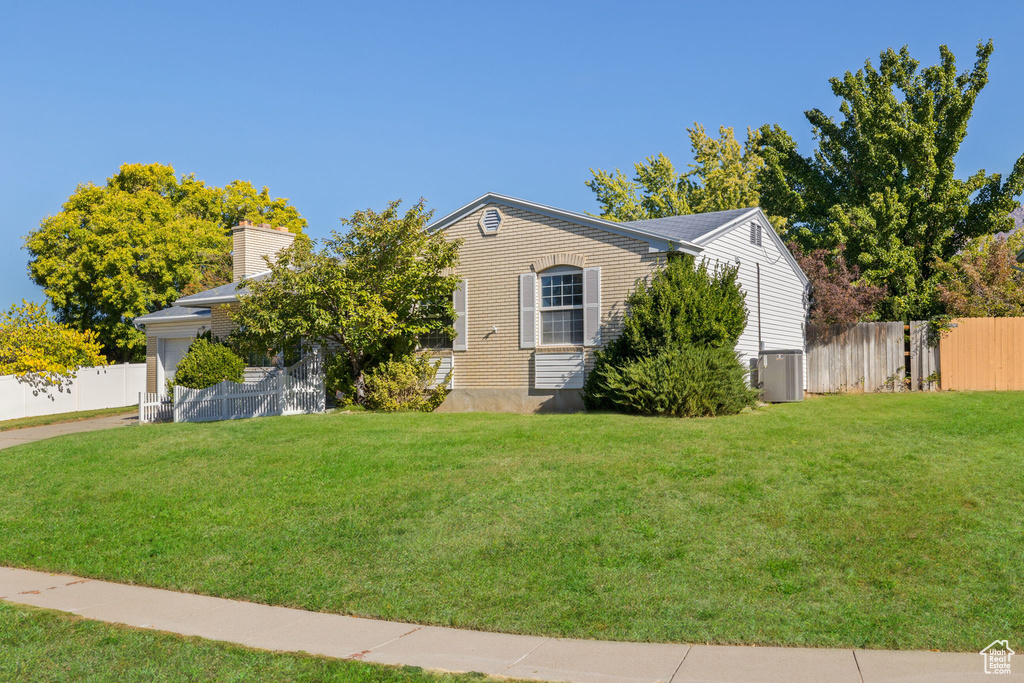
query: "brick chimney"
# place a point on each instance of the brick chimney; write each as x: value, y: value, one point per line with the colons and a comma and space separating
x: 250, y: 243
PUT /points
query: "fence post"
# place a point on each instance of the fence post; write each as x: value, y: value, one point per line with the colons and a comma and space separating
x: 222, y: 390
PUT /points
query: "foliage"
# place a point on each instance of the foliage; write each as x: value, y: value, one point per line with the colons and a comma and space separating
x: 41, y: 351
x: 688, y: 381
x: 402, y: 384
x: 982, y: 281
x: 365, y: 296
x: 800, y: 524
x: 882, y: 183
x: 136, y: 244
x: 723, y: 176
x: 683, y: 305
x: 208, y: 363
x: 838, y: 293
x: 46, y: 645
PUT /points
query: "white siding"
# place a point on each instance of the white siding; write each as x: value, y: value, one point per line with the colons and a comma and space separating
x: 444, y: 366
x: 558, y: 370
x: 782, y: 290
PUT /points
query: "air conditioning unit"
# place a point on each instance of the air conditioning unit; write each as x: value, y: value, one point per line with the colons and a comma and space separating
x: 780, y: 374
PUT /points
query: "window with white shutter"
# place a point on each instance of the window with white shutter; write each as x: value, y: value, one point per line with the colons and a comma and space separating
x: 528, y: 311
x: 460, y: 301
x: 591, y: 306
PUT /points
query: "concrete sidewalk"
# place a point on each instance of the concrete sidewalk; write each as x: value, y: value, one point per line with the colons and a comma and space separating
x: 556, y: 659
x: 16, y: 437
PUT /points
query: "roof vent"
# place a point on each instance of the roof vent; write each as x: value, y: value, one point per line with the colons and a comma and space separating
x: 490, y: 221
x: 755, y: 234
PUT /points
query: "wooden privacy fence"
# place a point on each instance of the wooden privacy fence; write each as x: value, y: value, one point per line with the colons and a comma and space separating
x: 870, y: 357
x: 983, y: 354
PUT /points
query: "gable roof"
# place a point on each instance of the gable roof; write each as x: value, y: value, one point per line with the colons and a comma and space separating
x: 225, y: 294
x: 657, y: 240
x: 173, y: 314
x: 695, y: 228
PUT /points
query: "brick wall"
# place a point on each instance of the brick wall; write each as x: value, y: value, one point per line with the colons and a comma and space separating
x: 221, y: 324
x: 526, y: 241
x: 250, y: 243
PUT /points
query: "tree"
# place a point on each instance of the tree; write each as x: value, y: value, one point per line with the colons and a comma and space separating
x: 982, y: 281
x: 365, y: 296
x: 41, y: 351
x: 881, y: 187
x: 133, y: 246
x: 723, y: 176
x: 838, y: 293
x: 686, y: 316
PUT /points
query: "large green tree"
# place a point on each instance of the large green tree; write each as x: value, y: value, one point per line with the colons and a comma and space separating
x: 881, y: 188
x: 134, y: 245
x: 366, y: 295
x: 723, y: 175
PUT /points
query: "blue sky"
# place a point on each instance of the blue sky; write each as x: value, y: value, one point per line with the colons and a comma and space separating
x: 341, y: 106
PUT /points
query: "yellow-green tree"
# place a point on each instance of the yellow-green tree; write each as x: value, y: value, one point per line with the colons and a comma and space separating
x: 134, y: 245
x: 41, y: 351
x: 723, y: 176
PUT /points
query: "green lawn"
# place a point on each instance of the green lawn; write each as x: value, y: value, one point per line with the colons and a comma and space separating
x: 39, y: 645
x: 887, y: 521
x: 22, y: 422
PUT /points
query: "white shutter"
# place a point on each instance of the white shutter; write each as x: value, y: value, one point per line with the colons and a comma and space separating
x: 591, y: 306
x: 528, y: 311
x: 461, y: 303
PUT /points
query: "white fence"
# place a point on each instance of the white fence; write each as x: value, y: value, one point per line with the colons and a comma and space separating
x: 295, y: 390
x: 155, y: 408
x: 109, y: 386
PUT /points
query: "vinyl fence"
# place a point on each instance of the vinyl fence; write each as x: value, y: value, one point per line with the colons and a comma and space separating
x: 109, y: 386
x: 871, y: 357
x: 294, y: 390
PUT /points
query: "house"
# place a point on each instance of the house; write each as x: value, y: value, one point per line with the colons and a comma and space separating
x: 169, y: 332
x: 541, y: 290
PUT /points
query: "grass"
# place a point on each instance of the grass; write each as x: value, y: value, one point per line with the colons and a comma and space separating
x: 882, y: 521
x: 40, y: 645
x: 39, y: 420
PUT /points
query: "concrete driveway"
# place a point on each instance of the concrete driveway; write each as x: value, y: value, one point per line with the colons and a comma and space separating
x: 16, y: 437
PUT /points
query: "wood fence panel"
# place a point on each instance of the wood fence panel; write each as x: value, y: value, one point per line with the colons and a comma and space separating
x: 859, y: 357
x: 983, y: 354
x: 924, y: 358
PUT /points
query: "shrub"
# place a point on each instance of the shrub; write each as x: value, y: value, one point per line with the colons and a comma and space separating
x: 691, y: 381
x: 404, y: 384
x: 685, y: 305
x: 208, y: 363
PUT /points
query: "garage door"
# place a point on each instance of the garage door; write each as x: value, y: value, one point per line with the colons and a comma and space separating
x: 171, y: 353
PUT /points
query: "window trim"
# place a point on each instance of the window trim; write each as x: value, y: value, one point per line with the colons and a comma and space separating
x: 541, y: 309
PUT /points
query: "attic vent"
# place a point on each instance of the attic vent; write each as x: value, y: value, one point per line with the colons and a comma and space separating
x: 491, y: 220
x: 755, y: 234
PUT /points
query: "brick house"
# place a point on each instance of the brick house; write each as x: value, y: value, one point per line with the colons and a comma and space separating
x: 543, y: 288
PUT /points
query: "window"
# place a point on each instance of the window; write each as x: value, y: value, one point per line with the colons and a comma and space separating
x: 561, y: 307
x: 435, y: 339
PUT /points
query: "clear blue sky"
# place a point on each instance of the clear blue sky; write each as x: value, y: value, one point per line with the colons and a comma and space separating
x: 341, y: 106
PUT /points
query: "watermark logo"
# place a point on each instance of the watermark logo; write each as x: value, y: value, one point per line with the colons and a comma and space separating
x: 997, y: 657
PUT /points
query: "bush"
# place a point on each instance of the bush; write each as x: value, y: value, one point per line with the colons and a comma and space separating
x: 685, y: 306
x: 208, y: 363
x: 404, y: 384
x: 691, y: 381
